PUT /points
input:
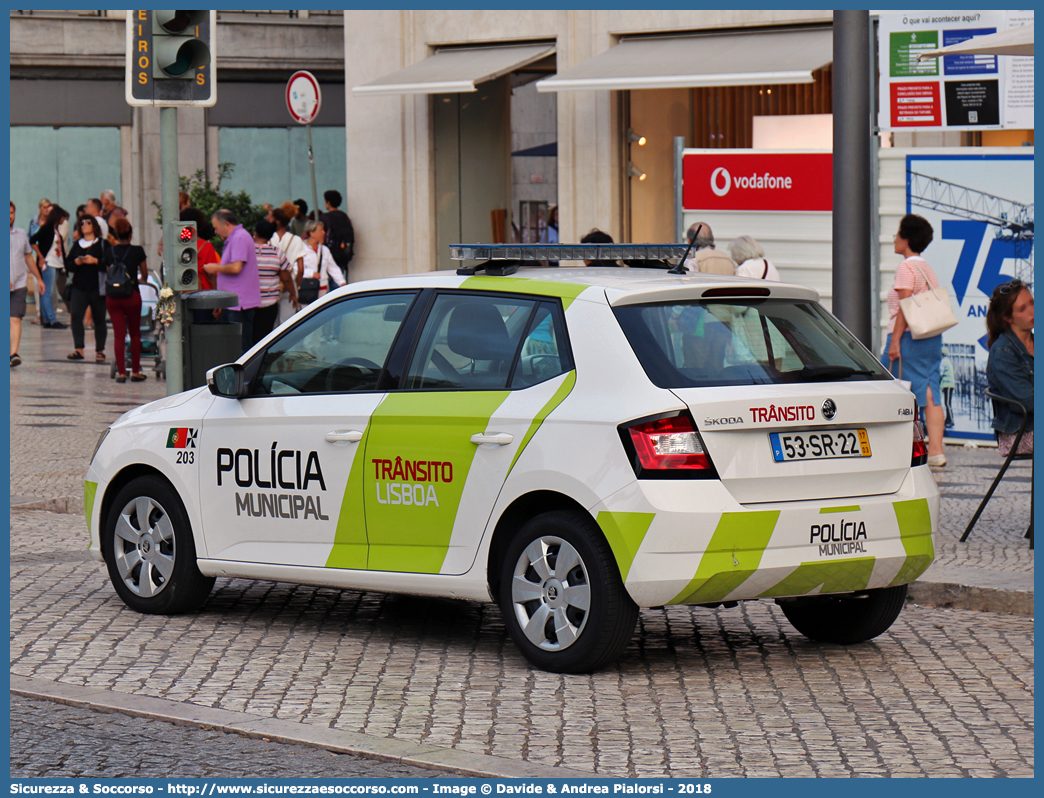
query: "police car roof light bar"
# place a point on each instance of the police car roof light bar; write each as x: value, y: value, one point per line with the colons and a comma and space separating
x: 538, y: 252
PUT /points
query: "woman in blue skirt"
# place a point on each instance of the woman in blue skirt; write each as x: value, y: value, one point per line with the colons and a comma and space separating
x: 918, y: 361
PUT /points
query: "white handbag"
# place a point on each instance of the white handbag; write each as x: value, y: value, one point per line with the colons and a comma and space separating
x: 929, y: 313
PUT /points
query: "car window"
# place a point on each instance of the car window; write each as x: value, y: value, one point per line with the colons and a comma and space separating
x: 469, y: 342
x: 541, y: 357
x: 709, y: 343
x: 340, y: 348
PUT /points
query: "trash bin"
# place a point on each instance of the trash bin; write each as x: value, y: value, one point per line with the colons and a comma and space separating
x: 210, y: 344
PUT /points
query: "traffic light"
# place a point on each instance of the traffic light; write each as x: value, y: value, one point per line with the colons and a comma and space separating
x: 170, y: 58
x: 184, y: 276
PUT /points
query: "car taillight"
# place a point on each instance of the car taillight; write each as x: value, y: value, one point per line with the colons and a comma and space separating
x: 920, y: 447
x: 666, y: 447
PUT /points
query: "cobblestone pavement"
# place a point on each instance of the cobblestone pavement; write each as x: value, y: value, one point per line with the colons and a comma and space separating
x: 699, y: 693
x: 52, y: 740
x: 729, y: 692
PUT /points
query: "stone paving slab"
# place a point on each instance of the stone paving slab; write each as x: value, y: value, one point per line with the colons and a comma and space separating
x: 51, y: 740
x: 700, y: 693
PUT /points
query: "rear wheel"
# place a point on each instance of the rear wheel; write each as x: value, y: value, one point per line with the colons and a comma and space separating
x: 562, y: 597
x: 846, y: 619
x: 148, y: 548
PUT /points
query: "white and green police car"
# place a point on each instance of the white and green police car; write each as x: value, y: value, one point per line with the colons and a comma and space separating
x: 572, y: 443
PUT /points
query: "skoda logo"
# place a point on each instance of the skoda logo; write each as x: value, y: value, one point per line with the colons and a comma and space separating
x: 721, y: 191
x: 552, y: 592
x: 829, y: 409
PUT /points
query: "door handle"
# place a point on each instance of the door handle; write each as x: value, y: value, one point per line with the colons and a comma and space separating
x: 344, y: 436
x: 499, y: 438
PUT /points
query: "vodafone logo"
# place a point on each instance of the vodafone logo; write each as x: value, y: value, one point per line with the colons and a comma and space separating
x: 723, y: 190
x: 753, y: 181
x: 757, y: 181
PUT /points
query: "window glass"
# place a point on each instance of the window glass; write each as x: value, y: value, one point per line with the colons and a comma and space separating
x: 469, y: 342
x: 540, y: 358
x: 341, y: 348
x: 696, y: 344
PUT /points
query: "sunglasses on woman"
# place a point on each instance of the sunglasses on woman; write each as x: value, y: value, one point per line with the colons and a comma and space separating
x: 1007, y: 288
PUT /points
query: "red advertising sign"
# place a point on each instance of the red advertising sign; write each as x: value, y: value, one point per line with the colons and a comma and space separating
x: 736, y: 180
x: 915, y: 105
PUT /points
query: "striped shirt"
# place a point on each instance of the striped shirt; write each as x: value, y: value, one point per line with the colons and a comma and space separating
x: 270, y: 262
x: 908, y: 276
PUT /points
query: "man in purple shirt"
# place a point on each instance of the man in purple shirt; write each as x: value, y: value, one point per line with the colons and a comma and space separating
x: 237, y: 272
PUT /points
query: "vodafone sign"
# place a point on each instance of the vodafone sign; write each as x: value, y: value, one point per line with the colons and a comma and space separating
x: 748, y: 180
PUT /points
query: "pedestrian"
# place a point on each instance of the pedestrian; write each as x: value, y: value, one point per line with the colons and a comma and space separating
x: 41, y: 216
x: 125, y: 311
x: 94, y: 208
x: 551, y: 233
x: 340, y: 235
x: 920, y: 360
x: 751, y: 260
x: 184, y: 201
x: 705, y: 258
x: 293, y: 249
x: 87, y: 261
x: 22, y: 264
x: 298, y: 222
x: 49, y: 244
x: 596, y: 236
x: 237, y: 272
x: 1009, y: 370
x: 110, y: 210
x: 947, y: 383
x: 318, y: 261
x: 274, y: 273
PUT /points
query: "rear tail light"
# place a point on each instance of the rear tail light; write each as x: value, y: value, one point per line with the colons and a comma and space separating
x: 920, y: 447
x: 667, y: 447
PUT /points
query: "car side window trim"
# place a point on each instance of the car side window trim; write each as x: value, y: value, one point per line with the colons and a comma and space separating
x: 424, y: 307
x: 252, y: 368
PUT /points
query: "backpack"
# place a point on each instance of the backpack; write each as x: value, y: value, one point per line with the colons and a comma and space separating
x: 119, y: 283
x: 340, y: 238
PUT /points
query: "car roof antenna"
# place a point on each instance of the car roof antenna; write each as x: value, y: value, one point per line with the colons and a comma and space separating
x: 679, y: 267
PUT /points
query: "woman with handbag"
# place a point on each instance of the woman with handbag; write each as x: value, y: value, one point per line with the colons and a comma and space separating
x: 919, y: 359
x: 319, y: 265
x: 50, y: 251
x: 87, y: 261
x: 124, y: 302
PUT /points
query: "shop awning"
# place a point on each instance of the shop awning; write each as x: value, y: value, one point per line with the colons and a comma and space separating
x: 1017, y: 41
x: 733, y: 59
x: 457, y: 70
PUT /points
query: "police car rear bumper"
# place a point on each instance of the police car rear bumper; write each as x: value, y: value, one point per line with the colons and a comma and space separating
x: 690, y: 542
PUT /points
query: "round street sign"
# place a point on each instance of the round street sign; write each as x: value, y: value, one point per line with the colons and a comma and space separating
x: 303, y: 97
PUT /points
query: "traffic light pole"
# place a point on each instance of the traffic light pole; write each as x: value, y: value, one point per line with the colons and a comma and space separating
x: 169, y: 171
x: 311, y: 164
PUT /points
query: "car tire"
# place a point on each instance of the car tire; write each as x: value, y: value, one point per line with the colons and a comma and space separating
x: 588, y: 617
x: 152, y: 565
x: 845, y: 619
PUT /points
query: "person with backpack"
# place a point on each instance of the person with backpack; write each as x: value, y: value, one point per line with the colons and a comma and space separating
x: 340, y: 236
x: 123, y: 297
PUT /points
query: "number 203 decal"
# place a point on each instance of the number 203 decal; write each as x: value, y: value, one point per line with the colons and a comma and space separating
x: 186, y: 457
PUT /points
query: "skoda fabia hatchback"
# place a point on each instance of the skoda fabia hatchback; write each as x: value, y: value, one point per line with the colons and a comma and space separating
x: 571, y: 443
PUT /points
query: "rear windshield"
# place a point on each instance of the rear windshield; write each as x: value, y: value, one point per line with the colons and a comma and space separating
x: 744, y: 342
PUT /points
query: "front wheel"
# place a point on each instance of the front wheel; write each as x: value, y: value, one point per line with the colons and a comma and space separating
x: 562, y: 597
x: 148, y: 548
x: 845, y: 619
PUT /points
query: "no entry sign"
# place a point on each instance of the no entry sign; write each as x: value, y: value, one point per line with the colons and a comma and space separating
x: 303, y: 98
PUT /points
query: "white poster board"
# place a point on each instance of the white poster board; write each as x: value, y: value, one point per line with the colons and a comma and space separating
x: 955, y: 92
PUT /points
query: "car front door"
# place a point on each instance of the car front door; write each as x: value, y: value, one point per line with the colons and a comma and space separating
x: 439, y: 449
x: 283, y: 467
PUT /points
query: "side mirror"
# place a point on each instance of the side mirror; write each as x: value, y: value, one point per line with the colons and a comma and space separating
x: 227, y: 381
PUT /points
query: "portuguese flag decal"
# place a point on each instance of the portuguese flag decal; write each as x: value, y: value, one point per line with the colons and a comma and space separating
x: 181, y: 438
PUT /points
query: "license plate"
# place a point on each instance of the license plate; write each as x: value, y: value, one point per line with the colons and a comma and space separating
x: 806, y: 445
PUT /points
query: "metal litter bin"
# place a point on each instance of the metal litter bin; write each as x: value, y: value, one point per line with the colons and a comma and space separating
x: 210, y: 344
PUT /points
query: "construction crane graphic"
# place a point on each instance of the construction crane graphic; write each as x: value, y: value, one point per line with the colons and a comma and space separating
x: 1013, y: 220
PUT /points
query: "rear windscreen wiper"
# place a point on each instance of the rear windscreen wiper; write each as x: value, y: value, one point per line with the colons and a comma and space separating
x: 813, y: 373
